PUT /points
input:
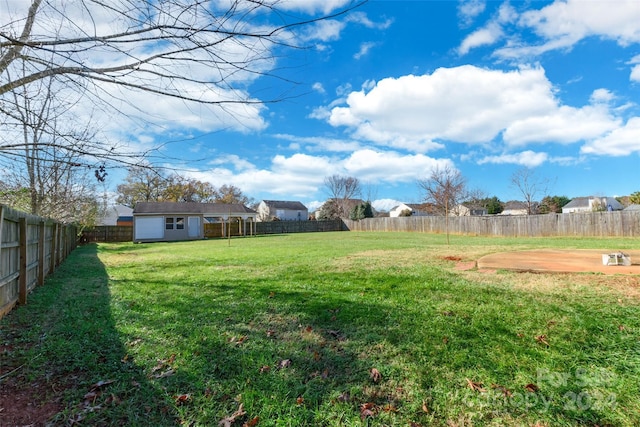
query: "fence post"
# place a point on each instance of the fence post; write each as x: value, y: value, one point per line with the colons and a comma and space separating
x: 54, y: 247
x: 22, y: 279
x: 1, y: 228
x: 41, y: 253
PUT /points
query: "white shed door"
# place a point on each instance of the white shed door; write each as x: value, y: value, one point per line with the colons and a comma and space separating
x: 149, y: 228
x: 193, y: 223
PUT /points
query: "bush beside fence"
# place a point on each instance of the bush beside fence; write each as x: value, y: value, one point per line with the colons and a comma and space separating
x: 30, y: 249
x: 590, y: 224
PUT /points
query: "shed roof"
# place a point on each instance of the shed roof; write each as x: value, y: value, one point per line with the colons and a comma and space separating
x: 191, y: 208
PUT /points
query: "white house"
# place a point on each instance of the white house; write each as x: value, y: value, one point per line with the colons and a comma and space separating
x: 416, y: 210
x: 281, y: 210
x: 592, y: 204
x: 170, y: 221
x: 468, y: 209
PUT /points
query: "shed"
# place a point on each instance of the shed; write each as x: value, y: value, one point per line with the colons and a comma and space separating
x: 282, y: 210
x: 171, y: 221
x: 414, y: 209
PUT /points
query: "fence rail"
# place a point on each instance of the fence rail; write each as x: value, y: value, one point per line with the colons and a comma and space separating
x: 30, y: 249
x: 591, y: 224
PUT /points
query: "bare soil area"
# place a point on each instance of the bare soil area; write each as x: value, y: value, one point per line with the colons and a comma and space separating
x: 561, y: 261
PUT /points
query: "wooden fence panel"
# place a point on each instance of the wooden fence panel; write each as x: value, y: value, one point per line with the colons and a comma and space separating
x: 30, y: 248
x: 591, y: 224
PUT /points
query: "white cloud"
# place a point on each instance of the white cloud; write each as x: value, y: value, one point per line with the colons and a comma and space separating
x: 318, y: 87
x: 527, y: 158
x: 482, y: 37
x: 622, y: 141
x: 564, y: 23
x: 313, y: 6
x: 468, y: 10
x: 635, y: 70
x: 491, y: 33
x: 364, y: 49
x: 470, y: 105
x: 319, y: 143
x: 362, y: 19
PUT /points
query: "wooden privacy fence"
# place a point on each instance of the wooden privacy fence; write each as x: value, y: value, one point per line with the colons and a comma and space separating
x: 30, y: 249
x: 590, y: 224
x: 107, y: 233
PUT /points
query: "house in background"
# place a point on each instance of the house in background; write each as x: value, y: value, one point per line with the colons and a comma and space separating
x: 170, y: 221
x: 514, y: 207
x: 281, y: 210
x: 592, y: 204
x: 413, y: 209
x: 117, y: 215
x: 468, y: 209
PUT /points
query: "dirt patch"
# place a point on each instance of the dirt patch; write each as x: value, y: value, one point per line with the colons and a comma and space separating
x: 463, y: 266
x: 560, y: 261
x: 27, y: 405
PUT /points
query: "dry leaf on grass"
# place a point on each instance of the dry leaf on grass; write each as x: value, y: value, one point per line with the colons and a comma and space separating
x: 542, y: 339
x: 531, y: 388
x: 284, y: 363
x: 367, y: 410
x: 252, y: 422
x: 375, y: 375
x: 503, y: 389
x: 228, y: 421
x: 475, y: 386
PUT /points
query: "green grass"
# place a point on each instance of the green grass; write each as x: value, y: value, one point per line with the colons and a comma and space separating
x: 291, y: 326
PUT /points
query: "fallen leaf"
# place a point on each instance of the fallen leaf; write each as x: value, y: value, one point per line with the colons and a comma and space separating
x: 375, y: 375
x: 367, y: 410
x: 532, y: 388
x: 344, y: 397
x: 165, y: 374
x: 182, y: 399
x: 503, y: 389
x: 412, y: 424
x: 542, y: 339
x: 445, y: 340
x: 316, y: 356
x: 425, y: 408
x: 300, y: 400
x: 239, y: 340
x: 272, y: 294
x: 448, y: 313
x: 252, y: 422
x: 271, y: 333
x: 265, y: 368
x: 475, y: 386
x: 621, y: 327
x: 325, y: 374
x: 101, y: 384
x: 389, y: 408
x: 284, y: 363
x: 308, y: 329
x: 228, y: 421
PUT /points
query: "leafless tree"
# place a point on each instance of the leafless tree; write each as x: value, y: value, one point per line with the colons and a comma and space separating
x: 47, y: 164
x: 341, y: 190
x: 201, y: 52
x: 531, y: 187
x: 445, y: 189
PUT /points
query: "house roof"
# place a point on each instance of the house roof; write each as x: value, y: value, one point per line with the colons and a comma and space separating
x: 583, y: 202
x: 515, y: 205
x: 191, y: 208
x: 284, y: 204
x: 633, y: 207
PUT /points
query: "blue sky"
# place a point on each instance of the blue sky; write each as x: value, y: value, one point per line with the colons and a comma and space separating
x: 394, y: 89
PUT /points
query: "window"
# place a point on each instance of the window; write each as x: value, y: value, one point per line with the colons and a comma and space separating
x: 171, y: 223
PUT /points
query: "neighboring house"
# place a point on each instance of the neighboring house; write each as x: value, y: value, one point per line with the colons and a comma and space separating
x: 280, y: 210
x: 117, y: 215
x: 170, y: 221
x: 415, y: 209
x: 592, y: 204
x: 632, y: 208
x: 468, y: 209
x: 514, y: 207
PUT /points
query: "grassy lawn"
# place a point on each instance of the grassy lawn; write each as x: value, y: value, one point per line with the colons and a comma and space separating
x: 326, y: 329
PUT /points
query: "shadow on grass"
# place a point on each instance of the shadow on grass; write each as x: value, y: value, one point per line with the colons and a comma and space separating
x: 73, y: 365
x: 296, y: 353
